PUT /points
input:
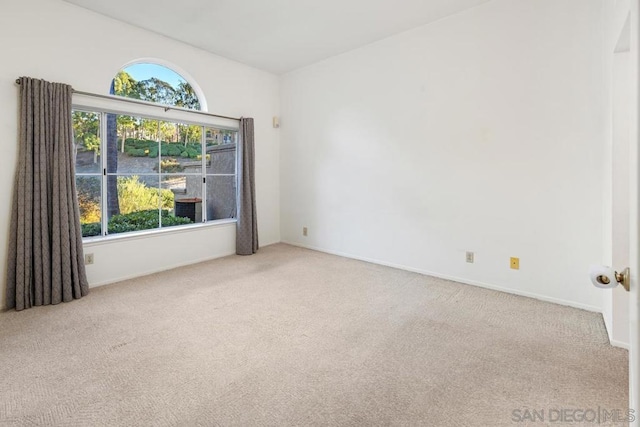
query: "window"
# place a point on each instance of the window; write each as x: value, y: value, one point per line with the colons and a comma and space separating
x: 137, y: 172
x: 155, y: 83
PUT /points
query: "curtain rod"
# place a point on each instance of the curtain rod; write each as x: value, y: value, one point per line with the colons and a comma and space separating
x: 152, y: 104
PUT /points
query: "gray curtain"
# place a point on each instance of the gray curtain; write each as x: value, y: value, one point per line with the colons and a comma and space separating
x: 45, y: 264
x: 247, y: 232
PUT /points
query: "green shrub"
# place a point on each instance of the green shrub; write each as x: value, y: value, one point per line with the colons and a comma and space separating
x: 134, y: 196
x: 135, y: 152
x: 89, y: 230
x: 171, y: 149
x: 192, y: 153
x: 195, y: 146
x: 153, y: 152
x: 174, y: 150
x: 135, y: 221
x: 144, y: 144
x: 143, y: 220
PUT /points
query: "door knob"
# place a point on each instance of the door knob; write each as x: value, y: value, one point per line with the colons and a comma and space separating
x: 606, y: 277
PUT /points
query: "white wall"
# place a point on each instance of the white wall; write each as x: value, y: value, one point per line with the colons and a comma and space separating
x: 56, y: 41
x: 483, y: 132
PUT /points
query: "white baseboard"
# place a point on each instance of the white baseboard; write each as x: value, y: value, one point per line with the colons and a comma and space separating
x: 619, y: 344
x: 454, y: 278
x: 608, y: 328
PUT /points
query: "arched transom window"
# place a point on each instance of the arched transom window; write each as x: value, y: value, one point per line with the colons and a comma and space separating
x: 155, y: 83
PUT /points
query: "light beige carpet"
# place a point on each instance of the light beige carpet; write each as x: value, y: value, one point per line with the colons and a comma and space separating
x: 295, y: 337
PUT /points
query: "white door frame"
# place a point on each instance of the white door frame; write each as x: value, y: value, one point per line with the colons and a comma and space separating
x: 634, y: 236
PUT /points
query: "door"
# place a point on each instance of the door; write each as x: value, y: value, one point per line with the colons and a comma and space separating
x: 634, y: 212
x: 624, y: 307
x: 617, y: 299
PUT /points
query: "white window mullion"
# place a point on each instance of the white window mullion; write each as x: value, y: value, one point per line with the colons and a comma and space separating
x: 159, y: 178
x: 203, y: 151
x: 104, y: 220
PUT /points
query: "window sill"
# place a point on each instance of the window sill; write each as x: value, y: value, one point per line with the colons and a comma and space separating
x: 145, y: 234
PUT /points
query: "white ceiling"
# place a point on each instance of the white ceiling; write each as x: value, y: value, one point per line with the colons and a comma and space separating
x: 277, y: 35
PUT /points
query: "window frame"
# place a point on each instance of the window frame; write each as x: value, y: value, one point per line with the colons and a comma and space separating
x: 114, y: 104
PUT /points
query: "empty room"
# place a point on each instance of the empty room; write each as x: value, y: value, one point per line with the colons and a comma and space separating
x: 340, y: 213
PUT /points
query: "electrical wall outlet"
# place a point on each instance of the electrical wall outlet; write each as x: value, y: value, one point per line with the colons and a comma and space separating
x: 470, y: 257
x: 515, y: 263
x: 304, y: 231
x: 88, y: 259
